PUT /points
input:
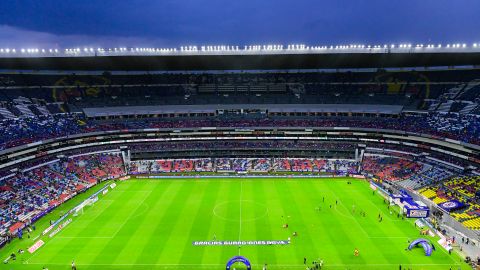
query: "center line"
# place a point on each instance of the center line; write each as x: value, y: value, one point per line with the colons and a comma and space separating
x: 240, y: 219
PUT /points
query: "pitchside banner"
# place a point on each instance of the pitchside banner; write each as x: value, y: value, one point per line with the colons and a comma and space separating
x: 36, y: 246
x: 241, y: 243
x: 418, y: 213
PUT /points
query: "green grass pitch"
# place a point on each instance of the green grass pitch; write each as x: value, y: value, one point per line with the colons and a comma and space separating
x: 150, y: 224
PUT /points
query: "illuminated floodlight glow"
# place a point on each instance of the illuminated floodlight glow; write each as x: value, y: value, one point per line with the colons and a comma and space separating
x: 251, y: 49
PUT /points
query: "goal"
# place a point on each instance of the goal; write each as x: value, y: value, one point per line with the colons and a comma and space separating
x: 88, y: 202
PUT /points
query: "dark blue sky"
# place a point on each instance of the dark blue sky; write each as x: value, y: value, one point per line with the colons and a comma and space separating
x: 162, y: 23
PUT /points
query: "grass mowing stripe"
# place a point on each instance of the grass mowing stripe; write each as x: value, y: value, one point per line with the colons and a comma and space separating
x: 159, y: 234
x: 124, y: 231
x: 264, y: 229
x: 353, y: 222
x: 303, y: 244
x: 180, y: 230
x: 165, y: 224
x: 247, y: 219
x: 200, y: 224
x: 108, y: 249
x: 376, y: 228
x: 161, y: 192
x: 230, y: 230
x: 341, y: 227
x: 44, y: 223
x: 218, y: 225
x: 325, y: 224
x: 69, y: 249
x: 240, y: 214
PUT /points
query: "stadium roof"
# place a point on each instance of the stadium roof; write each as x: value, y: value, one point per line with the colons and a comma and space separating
x: 247, y: 58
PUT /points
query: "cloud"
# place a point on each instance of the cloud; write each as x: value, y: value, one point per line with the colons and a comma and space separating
x: 14, y: 37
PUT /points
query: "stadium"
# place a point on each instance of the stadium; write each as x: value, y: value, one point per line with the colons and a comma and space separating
x: 258, y: 157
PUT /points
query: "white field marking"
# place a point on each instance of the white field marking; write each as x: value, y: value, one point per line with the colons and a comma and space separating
x: 93, y: 210
x: 374, y: 204
x: 368, y: 235
x: 85, y: 237
x: 351, y: 215
x: 215, y: 209
x: 240, y: 218
x: 356, y: 221
x: 114, y: 234
x: 145, y: 210
x: 36, y: 253
x: 59, y: 237
x: 390, y: 237
x: 210, y: 265
x: 394, y: 237
x: 136, y: 191
x: 214, y: 179
x: 131, y: 214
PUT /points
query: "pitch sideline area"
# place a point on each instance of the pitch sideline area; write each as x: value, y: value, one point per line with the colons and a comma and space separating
x: 152, y: 224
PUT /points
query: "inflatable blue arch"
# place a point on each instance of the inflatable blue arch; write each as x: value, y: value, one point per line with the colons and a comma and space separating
x: 427, y: 246
x: 241, y: 259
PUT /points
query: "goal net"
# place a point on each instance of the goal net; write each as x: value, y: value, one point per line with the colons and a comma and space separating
x: 89, y: 202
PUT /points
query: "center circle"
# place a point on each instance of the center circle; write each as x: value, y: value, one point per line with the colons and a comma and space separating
x: 236, y: 210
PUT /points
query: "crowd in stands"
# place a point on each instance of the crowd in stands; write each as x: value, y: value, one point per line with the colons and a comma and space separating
x: 264, y: 144
x: 429, y: 175
x: 390, y: 168
x: 170, y: 166
x: 413, y: 88
x: 33, y: 190
x: 333, y: 166
x: 21, y: 131
x: 460, y: 188
x: 26, y: 130
x: 467, y: 186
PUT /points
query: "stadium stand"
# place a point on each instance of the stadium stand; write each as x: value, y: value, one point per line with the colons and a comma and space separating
x: 26, y: 130
x: 32, y: 191
x: 389, y: 168
x: 442, y: 106
x: 336, y: 166
x: 428, y: 176
x: 463, y: 189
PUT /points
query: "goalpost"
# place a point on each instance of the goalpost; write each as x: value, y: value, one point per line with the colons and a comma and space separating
x: 89, y: 202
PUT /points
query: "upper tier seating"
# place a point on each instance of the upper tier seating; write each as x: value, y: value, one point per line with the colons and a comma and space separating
x: 26, y: 130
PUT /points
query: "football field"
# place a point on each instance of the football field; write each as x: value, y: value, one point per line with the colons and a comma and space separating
x: 152, y: 224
